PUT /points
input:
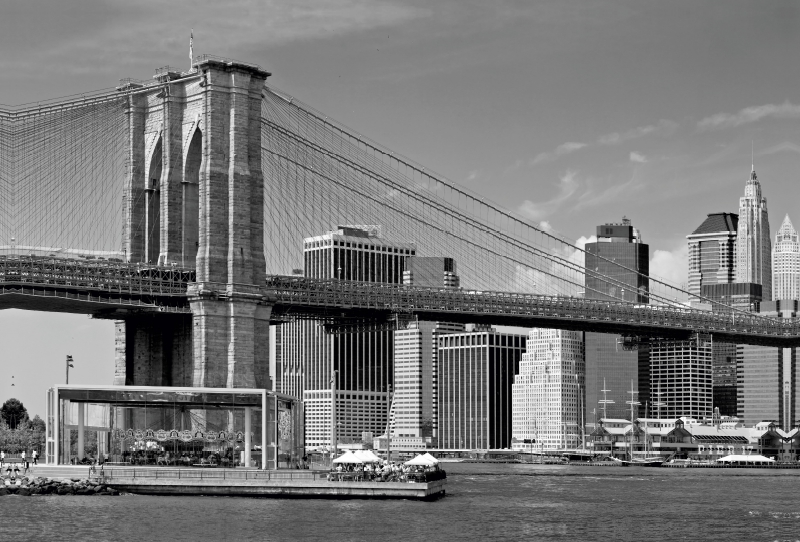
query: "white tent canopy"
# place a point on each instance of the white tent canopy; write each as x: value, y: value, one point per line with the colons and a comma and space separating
x: 366, y: 456
x: 430, y: 458
x: 421, y: 460
x: 745, y: 459
x: 348, y: 457
x: 357, y: 457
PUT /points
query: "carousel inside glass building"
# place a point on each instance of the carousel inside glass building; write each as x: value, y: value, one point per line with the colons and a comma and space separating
x: 172, y: 427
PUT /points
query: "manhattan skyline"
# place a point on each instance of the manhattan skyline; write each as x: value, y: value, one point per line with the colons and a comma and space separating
x: 566, y: 113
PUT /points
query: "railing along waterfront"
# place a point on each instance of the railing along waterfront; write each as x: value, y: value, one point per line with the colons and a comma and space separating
x: 110, y: 277
x: 109, y: 475
x: 298, y: 292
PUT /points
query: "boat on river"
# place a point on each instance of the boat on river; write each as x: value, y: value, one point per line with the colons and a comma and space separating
x: 640, y: 462
x: 653, y: 461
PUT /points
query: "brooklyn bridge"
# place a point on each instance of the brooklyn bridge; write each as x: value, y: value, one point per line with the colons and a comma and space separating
x: 178, y: 206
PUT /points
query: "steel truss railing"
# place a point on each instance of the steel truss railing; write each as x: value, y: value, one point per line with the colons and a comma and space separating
x: 108, y: 277
x: 295, y: 294
x: 334, y: 299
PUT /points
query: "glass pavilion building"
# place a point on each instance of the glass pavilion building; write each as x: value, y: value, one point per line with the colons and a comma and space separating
x: 172, y: 426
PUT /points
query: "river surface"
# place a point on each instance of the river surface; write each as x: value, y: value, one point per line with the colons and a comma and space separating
x: 483, y: 502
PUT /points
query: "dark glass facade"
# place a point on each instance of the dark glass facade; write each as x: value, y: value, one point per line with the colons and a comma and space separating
x: 767, y: 377
x: 475, y: 375
x: 617, y: 268
x: 606, y: 361
x: 744, y: 296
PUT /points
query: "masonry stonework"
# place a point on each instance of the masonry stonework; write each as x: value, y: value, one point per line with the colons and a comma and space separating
x: 194, y: 197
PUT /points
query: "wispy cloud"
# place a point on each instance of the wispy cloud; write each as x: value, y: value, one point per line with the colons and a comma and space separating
x: 638, y: 158
x: 596, y: 191
x: 786, y: 146
x: 786, y: 110
x: 579, y: 192
x: 663, y: 126
x: 151, y: 28
x: 538, y: 211
x: 562, y: 150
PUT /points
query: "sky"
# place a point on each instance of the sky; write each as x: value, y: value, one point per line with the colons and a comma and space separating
x: 569, y: 113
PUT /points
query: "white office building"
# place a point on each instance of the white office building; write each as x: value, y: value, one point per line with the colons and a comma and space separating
x: 415, y: 412
x: 549, y: 389
x: 786, y: 263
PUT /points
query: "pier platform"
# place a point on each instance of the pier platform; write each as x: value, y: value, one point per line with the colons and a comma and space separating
x: 259, y: 483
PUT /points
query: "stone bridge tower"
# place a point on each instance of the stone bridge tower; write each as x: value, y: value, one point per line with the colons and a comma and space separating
x: 194, y: 197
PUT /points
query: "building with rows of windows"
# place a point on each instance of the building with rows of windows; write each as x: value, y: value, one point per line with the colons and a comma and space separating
x: 475, y: 374
x: 548, y: 391
x: 307, y: 357
x: 681, y: 378
x: 786, y: 263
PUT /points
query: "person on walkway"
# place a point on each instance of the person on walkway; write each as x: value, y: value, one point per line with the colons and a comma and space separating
x: 35, y: 455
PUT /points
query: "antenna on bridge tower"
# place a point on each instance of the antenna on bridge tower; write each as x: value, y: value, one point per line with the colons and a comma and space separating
x: 191, y: 49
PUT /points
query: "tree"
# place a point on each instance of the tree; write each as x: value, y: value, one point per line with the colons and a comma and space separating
x: 37, y: 424
x: 14, y: 413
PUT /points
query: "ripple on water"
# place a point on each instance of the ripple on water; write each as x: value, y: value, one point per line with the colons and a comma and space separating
x: 496, y: 503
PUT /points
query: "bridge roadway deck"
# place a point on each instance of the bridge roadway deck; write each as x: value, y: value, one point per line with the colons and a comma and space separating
x: 91, y: 286
x: 101, y: 287
x: 304, y: 297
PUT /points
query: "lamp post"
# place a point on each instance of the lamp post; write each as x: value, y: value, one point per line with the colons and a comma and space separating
x: 579, y: 417
x: 334, y: 433
x: 69, y: 364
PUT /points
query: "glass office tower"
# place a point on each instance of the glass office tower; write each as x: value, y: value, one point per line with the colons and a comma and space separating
x: 363, y: 360
x: 476, y: 373
x: 765, y: 372
x: 620, y: 255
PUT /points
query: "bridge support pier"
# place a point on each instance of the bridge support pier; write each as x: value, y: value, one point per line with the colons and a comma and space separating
x: 195, y: 143
x: 154, y: 350
x: 231, y: 336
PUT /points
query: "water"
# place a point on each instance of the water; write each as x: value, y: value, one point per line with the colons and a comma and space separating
x: 484, y: 502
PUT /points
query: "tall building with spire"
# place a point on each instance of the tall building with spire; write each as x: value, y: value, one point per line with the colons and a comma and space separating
x: 786, y: 263
x: 753, y: 243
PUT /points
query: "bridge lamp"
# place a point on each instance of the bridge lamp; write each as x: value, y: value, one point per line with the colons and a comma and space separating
x: 69, y: 364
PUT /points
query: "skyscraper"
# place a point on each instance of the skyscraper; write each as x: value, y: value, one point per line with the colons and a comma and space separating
x: 728, y: 297
x: 764, y: 373
x: 620, y: 254
x: 476, y: 372
x: 712, y: 252
x: 416, y: 387
x: 681, y: 378
x: 431, y: 271
x: 753, y: 243
x: 548, y: 390
x: 363, y: 360
x: 786, y: 263
x: 415, y: 412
